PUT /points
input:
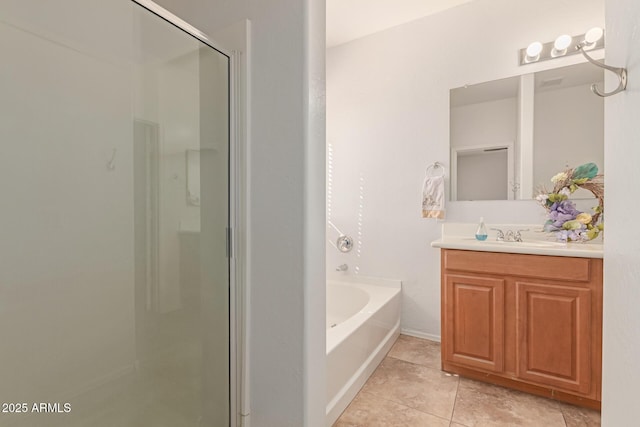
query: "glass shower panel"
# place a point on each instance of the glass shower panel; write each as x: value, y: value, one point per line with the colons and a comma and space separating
x: 114, y: 278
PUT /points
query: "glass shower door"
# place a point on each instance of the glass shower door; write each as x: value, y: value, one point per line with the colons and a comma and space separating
x: 114, y: 172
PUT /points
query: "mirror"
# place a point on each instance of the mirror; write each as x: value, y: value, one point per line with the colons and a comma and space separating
x: 508, y: 137
x: 193, y: 177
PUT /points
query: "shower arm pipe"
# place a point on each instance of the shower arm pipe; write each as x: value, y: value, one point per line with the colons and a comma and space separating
x: 332, y: 225
x: 343, y: 243
x: 621, y: 73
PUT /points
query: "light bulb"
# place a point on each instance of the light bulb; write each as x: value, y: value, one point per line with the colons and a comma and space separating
x: 562, y: 42
x: 534, y: 49
x: 593, y: 35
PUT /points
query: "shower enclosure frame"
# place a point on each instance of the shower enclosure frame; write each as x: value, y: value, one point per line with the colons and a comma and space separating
x: 238, y: 295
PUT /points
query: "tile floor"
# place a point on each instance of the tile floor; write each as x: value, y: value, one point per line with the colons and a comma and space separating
x: 409, y: 389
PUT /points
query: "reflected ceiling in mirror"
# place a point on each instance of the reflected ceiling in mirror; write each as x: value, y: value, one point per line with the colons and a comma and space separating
x: 508, y: 137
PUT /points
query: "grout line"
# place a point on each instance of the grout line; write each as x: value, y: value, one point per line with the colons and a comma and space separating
x: 420, y: 364
x: 405, y: 405
x: 362, y: 391
x: 402, y: 403
x: 563, y: 417
x: 455, y: 400
x: 511, y: 391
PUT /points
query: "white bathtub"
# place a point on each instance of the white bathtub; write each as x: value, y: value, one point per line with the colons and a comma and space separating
x: 363, y: 322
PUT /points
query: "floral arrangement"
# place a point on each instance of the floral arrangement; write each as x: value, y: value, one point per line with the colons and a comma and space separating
x: 569, y: 224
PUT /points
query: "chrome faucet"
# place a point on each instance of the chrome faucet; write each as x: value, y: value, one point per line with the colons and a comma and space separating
x: 342, y: 267
x: 518, y: 237
x: 509, y: 236
x: 499, y: 235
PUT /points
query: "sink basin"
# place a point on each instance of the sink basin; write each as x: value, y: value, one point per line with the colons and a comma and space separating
x: 533, y: 244
x: 460, y: 236
x: 525, y: 244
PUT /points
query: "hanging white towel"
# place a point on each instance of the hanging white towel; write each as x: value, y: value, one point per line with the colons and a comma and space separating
x: 433, y: 197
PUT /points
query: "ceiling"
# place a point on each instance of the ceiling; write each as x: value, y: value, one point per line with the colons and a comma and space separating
x: 348, y: 20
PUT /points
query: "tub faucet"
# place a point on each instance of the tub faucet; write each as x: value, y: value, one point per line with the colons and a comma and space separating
x: 342, y: 267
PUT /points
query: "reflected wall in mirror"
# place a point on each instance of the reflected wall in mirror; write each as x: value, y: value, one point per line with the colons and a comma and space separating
x: 193, y: 177
x: 494, y: 163
x: 508, y: 137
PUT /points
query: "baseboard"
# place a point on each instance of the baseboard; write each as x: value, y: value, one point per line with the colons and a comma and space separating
x: 419, y: 334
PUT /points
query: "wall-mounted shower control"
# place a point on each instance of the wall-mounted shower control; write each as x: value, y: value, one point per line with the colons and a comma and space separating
x: 344, y: 243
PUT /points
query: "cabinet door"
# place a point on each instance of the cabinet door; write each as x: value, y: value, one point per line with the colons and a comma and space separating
x: 554, y: 335
x: 474, y: 321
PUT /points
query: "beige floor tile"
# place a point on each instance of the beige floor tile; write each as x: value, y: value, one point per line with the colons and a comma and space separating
x: 417, y: 350
x: 368, y: 410
x: 418, y: 387
x: 408, y: 389
x: 479, y: 404
x: 574, y: 416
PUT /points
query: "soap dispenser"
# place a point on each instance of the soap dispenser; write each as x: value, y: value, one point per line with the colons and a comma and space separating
x: 481, y: 232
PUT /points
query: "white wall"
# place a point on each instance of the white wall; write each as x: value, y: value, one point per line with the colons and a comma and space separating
x: 483, y: 176
x: 622, y: 257
x: 487, y: 123
x: 484, y: 123
x: 315, y: 382
x: 388, y: 118
x: 286, y: 192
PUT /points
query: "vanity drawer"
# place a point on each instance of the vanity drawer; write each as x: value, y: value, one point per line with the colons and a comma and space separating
x: 540, y: 266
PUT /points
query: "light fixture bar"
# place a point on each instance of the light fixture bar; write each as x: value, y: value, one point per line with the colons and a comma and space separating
x: 548, y: 50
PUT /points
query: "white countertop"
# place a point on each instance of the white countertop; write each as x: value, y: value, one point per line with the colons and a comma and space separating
x: 535, y: 241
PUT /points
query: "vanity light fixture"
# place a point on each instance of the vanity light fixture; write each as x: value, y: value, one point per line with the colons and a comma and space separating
x: 563, y: 45
x: 533, y: 52
x: 592, y: 37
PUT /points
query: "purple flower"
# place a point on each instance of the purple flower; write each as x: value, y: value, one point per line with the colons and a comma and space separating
x: 561, y: 212
x: 572, y: 236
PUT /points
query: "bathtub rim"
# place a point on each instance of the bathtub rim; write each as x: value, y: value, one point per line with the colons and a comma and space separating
x: 383, y: 291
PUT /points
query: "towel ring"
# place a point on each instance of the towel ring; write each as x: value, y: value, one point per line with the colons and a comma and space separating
x: 437, y: 165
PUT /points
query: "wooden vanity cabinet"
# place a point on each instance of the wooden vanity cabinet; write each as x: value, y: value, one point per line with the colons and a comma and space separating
x: 528, y: 322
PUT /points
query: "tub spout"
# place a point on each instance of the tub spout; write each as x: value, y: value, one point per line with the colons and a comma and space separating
x: 342, y: 267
